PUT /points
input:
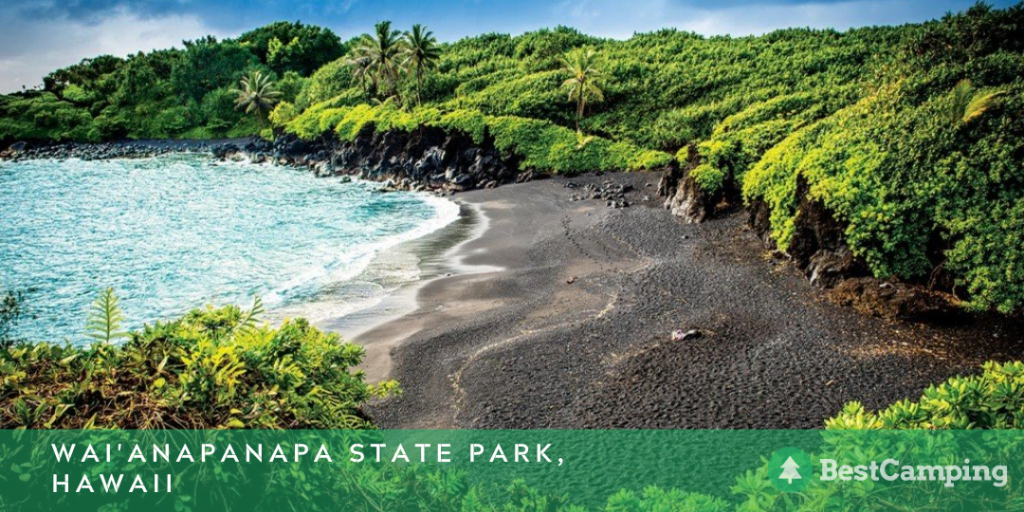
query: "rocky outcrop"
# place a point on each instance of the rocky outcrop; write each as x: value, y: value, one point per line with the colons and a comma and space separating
x: 817, y: 247
x: 686, y: 200
x: 690, y: 203
x: 426, y: 159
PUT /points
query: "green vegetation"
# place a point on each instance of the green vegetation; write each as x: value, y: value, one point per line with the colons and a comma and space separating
x: 212, y: 368
x: 584, y: 82
x: 925, y: 168
x: 540, y: 144
x: 381, y: 56
x: 178, y: 93
x: 257, y: 96
x: 10, y: 314
x: 421, y: 55
x: 992, y: 400
x: 104, y: 325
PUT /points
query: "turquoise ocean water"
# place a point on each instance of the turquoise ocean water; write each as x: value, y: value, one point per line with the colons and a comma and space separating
x: 176, y: 232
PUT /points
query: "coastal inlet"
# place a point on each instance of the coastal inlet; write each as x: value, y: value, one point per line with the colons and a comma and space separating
x: 176, y: 231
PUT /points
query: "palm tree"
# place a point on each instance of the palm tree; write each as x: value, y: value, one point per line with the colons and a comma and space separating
x: 585, y: 81
x: 421, y: 54
x: 257, y: 95
x: 969, y: 103
x: 362, y: 72
x: 382, y: 50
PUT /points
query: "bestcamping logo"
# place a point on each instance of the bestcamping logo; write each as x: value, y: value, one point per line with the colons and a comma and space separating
x: 790, y: 470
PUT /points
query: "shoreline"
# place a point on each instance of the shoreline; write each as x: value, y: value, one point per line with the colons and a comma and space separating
x: 437, y: 258
x: 575, y: 331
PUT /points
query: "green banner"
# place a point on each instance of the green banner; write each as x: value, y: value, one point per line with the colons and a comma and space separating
x: 510, y: 470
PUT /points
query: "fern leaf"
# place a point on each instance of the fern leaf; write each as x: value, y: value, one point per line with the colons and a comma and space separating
x: 105, y: 318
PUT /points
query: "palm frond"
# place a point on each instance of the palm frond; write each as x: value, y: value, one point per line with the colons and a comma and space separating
x: 251, y: 317
x: 979, y: 104
x: 968, y: 104
x: 257, y: 95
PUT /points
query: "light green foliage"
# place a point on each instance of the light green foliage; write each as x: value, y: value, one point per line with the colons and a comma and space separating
x: 213, y: 368
x: 992, y: 400
x: 542, y: 145
x: 926, y: 159
x: 105, y: 318
x: 283, y: 114
x: 470, y: 122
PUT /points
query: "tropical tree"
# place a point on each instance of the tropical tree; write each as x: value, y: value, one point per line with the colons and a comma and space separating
x: 362, y: 72
x: 585, y: 81
x: 257, y: 95
x: 421, y: 55
x: 383, y: 51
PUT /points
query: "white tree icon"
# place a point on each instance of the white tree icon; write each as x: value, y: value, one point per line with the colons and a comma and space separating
x: 789, y: 471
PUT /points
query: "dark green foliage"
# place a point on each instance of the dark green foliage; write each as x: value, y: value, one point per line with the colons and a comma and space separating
x: 286, y: 46
x: 10, y: 313
x: 206, y: 65
x: 330, y: 81
x: 213, y: 368
x: 167, y: 93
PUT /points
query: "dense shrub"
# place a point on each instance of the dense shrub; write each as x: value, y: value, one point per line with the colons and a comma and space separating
x: 992, y: 400
x: 167, y: 93
x: 541, y: 145
x: 212, y: 368
x: 925, y: 160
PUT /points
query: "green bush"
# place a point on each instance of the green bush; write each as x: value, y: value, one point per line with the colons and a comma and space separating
x: 212, y: 368
x: 992, y: 400
x: 924, y: 161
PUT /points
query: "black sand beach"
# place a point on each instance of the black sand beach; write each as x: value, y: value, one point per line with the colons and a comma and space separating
x: 575, y: 331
